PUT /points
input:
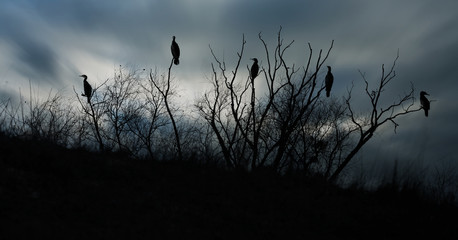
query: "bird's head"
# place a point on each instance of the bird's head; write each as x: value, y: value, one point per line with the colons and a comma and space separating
x: 83, y: 76
x: 329, y: 68
x: 173, y: 38
x: 255, y: 60
x: 422, y: 93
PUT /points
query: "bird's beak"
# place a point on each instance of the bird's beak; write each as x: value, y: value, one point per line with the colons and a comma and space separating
x: 81, y: 75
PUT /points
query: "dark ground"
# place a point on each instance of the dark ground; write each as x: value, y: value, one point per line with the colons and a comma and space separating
x: 49, y: 192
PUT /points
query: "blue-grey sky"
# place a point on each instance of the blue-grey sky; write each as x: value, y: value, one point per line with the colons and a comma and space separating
x: 51, y: 42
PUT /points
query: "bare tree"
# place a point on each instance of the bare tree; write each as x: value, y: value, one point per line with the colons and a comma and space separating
x: 365, y: 126
x: 150, y: 115
x: 165, y: 89
x: 289, y: 125
x: 321, y: 139
x: 255, y: 131
x: 292, y: 97
x: 222, y: 108
x: 95, y: 111
x: 54, y: 120
x: 121, y: 104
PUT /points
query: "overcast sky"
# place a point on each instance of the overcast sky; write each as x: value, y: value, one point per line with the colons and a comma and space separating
x: 51, y: 42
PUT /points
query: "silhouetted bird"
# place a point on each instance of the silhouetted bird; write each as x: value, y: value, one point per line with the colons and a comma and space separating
x: 328, y: 82
x: 424, y: 102
x: 254, y: 69
x: 87, y: 89
x: 175, y: 52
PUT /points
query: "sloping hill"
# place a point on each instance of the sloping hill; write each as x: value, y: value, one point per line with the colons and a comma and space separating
x: 50, y: 192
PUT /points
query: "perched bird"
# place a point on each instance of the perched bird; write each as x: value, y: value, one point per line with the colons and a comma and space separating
x: 254, y: 69
x: 424, y: 102
x: 87, y: 89
x: 328, y: 82
x: 175, y: 52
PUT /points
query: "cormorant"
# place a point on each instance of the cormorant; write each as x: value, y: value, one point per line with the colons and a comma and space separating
x: 87, y: 89
x: 175, y: 52
x: 254, y: 69
x: 424, y: 102
x: 328, y: 82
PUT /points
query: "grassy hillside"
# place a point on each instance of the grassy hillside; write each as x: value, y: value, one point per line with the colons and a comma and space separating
x: 48, y: 191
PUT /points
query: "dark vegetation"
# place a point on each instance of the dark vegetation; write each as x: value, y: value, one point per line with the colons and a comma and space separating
x: 47, y: 191
x: 263, y: 163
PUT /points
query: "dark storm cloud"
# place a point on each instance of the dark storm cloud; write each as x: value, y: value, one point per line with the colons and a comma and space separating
x: 33, y: 57
x: 40, y: 60
x: 118, y: 20
x: 366, y: 34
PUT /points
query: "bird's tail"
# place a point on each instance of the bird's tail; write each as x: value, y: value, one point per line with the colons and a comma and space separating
x: 426, y: 113
x: 88, y: 99
x: 328, y: 93
x: 176, y: 61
